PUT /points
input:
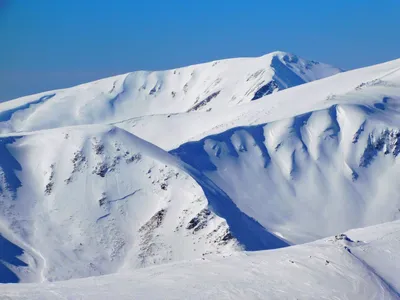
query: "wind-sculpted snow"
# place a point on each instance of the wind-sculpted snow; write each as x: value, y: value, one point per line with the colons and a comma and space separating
x: 6, y: 115
x: 293, y: 175
x: 205, y: 87
x: 284, y: 168
x: 97, y: 200
x: 359, y: 264
x: 172, y: 130
x: 93, y: 201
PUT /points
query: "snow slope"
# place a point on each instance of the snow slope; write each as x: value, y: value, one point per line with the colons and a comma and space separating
x: 359, y: 87
x: 204, y: 87
x: 361, y: 264
x: 327, y: 150
x: 292, y: 167
x: 96, y: 200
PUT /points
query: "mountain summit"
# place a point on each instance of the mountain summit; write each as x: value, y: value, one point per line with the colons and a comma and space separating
x: 210, y: 86
x: 169, y: 175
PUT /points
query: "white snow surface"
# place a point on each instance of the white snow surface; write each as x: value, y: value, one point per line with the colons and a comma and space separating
x: 210, y: 86
x: 361, y: 264
x: 152, y: 177
x: 326, y: 150
x: 93, y: 201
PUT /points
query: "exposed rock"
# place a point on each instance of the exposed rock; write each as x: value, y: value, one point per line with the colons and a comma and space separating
x: 49, y: 186
x: 388, y: 142
x: 132, y: 158
x: 149, y: 247
x: 266, y: 89
x: 98, y: 148
x: 199, y: 221
x: 204, y: 102
x: 358, y: 133
x: 342, y: 237
x: 103, y: 199
x: 79, y: 163
x: 154, y: 222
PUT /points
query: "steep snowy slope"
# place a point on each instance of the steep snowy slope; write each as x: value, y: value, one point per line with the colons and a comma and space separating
x: 360, y: 86
x: 87, y: 201
x: 291, y: 167
x: 305, y: 162
x: 214, y: 85
x: 309, y: 176
x: 361, y: 264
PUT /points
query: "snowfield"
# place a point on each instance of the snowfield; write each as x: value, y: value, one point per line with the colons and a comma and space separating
x: 361, y: 264
x: 204, y: 87
x: 184, y: 184
x: 93, y: 201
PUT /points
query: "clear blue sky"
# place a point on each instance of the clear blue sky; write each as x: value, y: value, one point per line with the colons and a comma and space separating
x: 48, y: 44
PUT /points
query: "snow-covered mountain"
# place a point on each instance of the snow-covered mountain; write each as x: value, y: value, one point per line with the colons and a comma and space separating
x: 149, y: 180
x: 362, y: 87
x: 92, y: 201
x: 204, y: 87
x: 337, y: 161
x: 322, y: 151
x: 359, y: 264
x: 95, y: 200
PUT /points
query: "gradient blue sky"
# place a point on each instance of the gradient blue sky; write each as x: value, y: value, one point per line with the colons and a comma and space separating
x: 48, y: 44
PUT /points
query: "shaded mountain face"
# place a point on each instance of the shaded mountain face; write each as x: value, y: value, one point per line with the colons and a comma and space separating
x: 337, y: 164
x: 205, y: 87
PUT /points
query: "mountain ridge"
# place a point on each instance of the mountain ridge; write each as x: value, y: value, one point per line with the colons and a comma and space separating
x: 204, y: 87
x: 290, y: 167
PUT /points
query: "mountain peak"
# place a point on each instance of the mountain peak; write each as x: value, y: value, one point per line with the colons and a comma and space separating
x: 205, y: 87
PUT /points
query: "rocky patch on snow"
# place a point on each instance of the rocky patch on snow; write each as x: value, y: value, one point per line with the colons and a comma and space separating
x: 49, y: 186
x: 266, y: 89
x: 149, y: 246
x: 204, y: 102
x: 387, y: 142
x: 200, y: 220
x: 79, y: 162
